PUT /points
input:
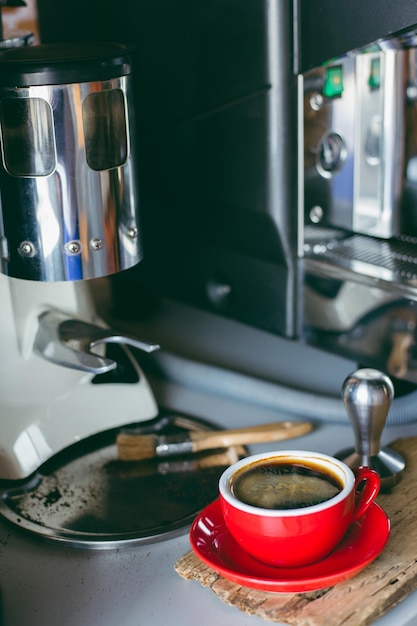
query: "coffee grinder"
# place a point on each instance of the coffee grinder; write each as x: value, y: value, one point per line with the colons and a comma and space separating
x: 69, y: 214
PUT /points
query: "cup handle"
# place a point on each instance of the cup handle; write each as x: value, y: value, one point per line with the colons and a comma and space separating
x: 370, y: 484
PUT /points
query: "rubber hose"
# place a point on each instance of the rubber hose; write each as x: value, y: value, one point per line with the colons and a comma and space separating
x: 297, y: 402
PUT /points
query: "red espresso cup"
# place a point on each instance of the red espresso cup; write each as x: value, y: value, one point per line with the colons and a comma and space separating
x: 280, y: 521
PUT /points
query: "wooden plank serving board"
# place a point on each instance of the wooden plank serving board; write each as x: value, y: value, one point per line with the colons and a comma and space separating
x: 358, y: 601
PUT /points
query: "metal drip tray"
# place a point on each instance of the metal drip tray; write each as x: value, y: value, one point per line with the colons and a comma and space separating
x: 339, y: 254
x: 86, y: 497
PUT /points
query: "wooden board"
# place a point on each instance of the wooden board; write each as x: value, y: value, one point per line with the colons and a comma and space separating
x: 355, y: 602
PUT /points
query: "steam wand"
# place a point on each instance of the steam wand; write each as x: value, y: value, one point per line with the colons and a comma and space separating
x: 367, y: 395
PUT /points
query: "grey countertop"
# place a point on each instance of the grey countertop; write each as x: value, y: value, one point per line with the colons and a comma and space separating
x: 48, y: 585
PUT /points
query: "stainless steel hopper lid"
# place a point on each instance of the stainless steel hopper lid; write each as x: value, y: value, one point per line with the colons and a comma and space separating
x: 64, y: 63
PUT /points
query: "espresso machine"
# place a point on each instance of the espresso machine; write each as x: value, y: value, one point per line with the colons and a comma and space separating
x: 280, y: 157
x: 69, y: 214
x: 278, y: 173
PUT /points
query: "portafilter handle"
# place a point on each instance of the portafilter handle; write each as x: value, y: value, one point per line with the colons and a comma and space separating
x: 367, y: 395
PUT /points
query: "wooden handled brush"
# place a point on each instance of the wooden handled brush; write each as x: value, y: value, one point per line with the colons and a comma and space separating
x: 133, y: 446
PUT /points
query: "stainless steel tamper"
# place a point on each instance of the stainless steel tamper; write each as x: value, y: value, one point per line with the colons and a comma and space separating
x: 367, y: 395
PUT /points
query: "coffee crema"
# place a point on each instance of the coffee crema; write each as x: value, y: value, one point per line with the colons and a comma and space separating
x: 284, y: 485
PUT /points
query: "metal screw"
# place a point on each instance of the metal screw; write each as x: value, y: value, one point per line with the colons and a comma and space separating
x: 412, y: 92
x: 133, y: 232
x: 27, y: 248
x: 316, y: 101
x: 96, y: 244
x: 73, y: 247
x: 316, y: 214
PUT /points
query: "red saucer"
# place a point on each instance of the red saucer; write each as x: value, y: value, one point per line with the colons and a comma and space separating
x: 213, y: 544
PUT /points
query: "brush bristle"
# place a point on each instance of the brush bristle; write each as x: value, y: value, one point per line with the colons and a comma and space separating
x: 135, y: 447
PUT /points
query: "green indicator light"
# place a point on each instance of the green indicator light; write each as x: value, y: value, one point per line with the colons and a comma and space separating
x: 333, y: 82
x: 375, y: 74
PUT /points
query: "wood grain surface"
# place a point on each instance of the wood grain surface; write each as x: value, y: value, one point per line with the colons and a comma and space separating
x: 358, y: 601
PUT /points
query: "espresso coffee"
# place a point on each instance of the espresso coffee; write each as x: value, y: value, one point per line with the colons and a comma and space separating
x: 284, y: 485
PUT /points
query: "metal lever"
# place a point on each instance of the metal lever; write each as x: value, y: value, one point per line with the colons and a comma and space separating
x: 367, y: 394
x: 69, y: 342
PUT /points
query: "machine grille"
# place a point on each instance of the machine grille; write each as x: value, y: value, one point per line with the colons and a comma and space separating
x: 387, y: 260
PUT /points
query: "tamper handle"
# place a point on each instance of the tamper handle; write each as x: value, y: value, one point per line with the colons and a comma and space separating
x: 367, y: 394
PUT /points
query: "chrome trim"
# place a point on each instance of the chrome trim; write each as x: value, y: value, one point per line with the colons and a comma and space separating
x: 62, y: 216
